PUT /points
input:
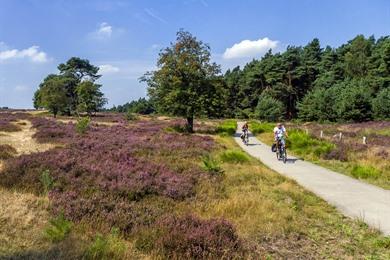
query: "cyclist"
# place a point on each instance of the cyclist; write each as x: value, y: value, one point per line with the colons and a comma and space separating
x: 280, y: 133
x: 244, y: 128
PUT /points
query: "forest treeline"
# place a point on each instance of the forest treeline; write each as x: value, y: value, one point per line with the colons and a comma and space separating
x: 312, y: 83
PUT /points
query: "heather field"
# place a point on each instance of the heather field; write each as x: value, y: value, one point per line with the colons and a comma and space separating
x: 369, y: 161
x: 144, y: 189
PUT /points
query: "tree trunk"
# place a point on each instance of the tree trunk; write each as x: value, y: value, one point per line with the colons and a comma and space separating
x: 190, y: 124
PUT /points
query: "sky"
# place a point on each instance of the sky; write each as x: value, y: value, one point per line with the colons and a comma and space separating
x: 124, y: 37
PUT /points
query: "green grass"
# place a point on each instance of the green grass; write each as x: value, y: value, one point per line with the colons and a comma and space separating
x: 46, y: 181
x: 106, y: 247
x: 57, y: 229
x: 227, y: 127
x: 365, y: 172
x: 257, y: 128
x: 234, y: 156
x: 211, y: 165
x: 301, y: 143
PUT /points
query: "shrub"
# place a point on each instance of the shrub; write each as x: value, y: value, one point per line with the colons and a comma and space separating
x: 57, y: 229
x: 339, y: 153
x: 365, y: 172
x: 47, y: 181
x: 227, y: 127
x: 269, y: 108
x: 82, y: 125
x: 193, y: 238
x: 106, y: 247
x: 381, y: 105
x: 258, y: 128
x: 51, y: 131
x: 231, y: 156
x: 211, y: 165
x: 105, y: 175
x: 7, y: 151
x: 130, y: 116
x: 7, y: 121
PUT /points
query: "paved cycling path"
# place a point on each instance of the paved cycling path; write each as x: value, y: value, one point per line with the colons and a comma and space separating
x: 352, y: 197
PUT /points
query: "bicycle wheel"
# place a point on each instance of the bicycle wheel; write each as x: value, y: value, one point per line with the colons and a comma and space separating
x: 285, y: 156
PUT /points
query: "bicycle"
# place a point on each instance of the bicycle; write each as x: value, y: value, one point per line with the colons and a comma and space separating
x: 281, y: 151
x: 245, y: 137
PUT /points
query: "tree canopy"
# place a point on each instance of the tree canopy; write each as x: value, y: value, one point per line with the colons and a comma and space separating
x: 183, y: 85
x: 73, y: 89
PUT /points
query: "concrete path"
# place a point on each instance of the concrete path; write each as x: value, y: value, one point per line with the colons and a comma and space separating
x: 352, y: 197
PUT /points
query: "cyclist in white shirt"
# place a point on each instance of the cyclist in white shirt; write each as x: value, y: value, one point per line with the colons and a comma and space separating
x: 280, y: 133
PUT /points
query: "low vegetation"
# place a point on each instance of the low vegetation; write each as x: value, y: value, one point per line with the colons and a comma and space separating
x: 234, y: 156
x: 136, y: 190
x: 227, y: 127
x: 57, y: 229
x: 7, y: 151
x: 349, y: 155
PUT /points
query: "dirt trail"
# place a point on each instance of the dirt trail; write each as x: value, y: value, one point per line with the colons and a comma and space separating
x: 351, y: 197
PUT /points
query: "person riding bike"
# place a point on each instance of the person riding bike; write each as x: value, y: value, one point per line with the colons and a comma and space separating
x: 280, y: 134
x: 244, y: 134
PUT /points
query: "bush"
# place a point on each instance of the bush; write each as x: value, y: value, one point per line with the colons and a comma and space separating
x: 99, y: 179
x: 381, y: 105
x: 106, y: 247
x: 82, y: 125
x: 258, y: 128
x: 58, y: 229
x: 47, y: 181
x: 269, y: 108
x: 339, y: 153
x: 193, y: 238
x: 211, y: 165
x: 7, y: 151
x: 130, y: 116
x: 365, y: 172
x: 231, y: 156
x: 227, y: 127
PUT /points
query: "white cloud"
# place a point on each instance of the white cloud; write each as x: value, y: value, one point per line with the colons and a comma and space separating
x: 250, y: 49
x: 31, y: 53
x: 108, y: 69
x: 104, y: 31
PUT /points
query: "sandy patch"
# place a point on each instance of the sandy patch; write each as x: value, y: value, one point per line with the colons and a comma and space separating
x: 23, y: 141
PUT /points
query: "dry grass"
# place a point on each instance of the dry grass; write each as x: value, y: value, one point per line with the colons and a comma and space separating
x: 22, y: 218
x: 23, y: 140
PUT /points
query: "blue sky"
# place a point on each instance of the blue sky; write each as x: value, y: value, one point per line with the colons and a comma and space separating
x: 124, y: 37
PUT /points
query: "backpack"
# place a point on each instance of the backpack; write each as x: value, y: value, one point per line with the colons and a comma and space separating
x: 273, y: 148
